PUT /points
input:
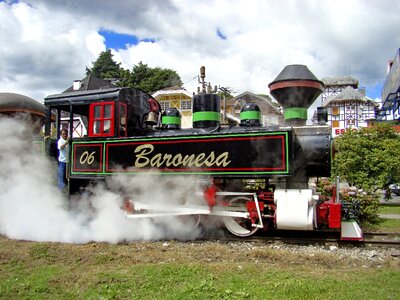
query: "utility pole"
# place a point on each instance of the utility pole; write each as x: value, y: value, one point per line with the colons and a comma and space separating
x: 224, y: 91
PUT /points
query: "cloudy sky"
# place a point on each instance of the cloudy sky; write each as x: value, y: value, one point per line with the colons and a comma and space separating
x: 244, y: 44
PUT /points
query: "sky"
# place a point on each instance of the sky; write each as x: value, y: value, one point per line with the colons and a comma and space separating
x: 47, y: 44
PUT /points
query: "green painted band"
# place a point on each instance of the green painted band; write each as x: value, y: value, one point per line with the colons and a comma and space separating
x: 171, y: 120
x: 250, y: 115
x: 206, y: 116
x: 295, y: 113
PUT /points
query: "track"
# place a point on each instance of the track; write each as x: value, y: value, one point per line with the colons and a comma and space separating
x: 377, y: 239
x: 371, y: 239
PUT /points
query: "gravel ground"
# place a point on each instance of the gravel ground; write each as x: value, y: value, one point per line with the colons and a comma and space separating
x: 218, y: 251
x: 378, y: 254
x: 282, y: 254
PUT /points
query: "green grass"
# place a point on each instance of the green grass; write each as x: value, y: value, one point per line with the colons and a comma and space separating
x: 388, y: 225
x: 196, y: 281
x: 390, y: 210
x: 181, y: 271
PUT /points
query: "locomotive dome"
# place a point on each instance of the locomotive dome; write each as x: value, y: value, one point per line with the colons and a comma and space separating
x: 11, y: 103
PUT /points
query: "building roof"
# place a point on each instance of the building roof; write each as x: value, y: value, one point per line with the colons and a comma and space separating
x: 172, y: 91
x: 340, y: 81
x: 348, y: 94
x: 12, y: 103
x: 251, y: 97
x: 91, y: 82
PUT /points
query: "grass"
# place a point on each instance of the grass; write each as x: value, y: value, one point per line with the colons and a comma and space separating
x: 208, y: 270
x: 390, y: 210
x: 387, y: 225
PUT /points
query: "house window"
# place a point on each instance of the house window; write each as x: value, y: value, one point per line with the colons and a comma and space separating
x: 122, y: 119
x: 335, y: 123
x: 351, y: 122
x: 238, y: 108
x: 101, y: 119
x: 164, y: 105
x: 335, y: 111
x: 186, y: 105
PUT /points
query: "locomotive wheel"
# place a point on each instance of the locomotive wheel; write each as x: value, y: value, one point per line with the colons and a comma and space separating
x: 190, y: 222
x: 239, y: 226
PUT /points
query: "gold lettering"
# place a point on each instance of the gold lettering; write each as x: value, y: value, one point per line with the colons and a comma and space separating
x: 167, y: 158
x: 159, y: 160
x: 188, y: 160
x: 198, y: 161
x: 210, y: 160
x: 223, y: 160
x: 177, y: 160
x: 142, y: 155
x: 156, y: 160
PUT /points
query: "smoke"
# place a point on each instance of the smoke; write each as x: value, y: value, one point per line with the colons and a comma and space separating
x: 31, y: 207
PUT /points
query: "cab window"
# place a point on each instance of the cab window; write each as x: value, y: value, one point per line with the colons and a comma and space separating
x: 101, y: 119
x: 122, y: 119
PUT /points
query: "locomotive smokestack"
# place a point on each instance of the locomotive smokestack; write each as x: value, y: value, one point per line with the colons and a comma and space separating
x: 203, y: 76
x: 295, y: 88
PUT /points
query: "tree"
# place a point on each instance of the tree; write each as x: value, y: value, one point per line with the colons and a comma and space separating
x: 153, y: 79
x: 105, y: 67
x: 368, y: 158
x: 142, y: 76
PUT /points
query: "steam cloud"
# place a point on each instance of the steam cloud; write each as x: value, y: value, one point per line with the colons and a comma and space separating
x: 31, y: 207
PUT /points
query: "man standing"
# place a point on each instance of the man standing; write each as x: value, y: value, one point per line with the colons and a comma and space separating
x: 62, y: 146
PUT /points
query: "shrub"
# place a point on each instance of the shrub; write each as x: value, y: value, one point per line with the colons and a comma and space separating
x: 368, y: 203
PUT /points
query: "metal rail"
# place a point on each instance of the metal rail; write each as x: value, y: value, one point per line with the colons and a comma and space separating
x: 312, y: 238
x: 144, y: 210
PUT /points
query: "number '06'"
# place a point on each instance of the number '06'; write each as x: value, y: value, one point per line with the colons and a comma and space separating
x: 87, y: 158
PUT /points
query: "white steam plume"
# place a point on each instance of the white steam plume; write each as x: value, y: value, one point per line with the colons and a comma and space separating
x: 31, y: 207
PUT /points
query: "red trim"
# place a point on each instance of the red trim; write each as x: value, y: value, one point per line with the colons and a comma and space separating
x: 335, y: 215
x: 295, y: 83
x: 126, y: 119
x: 154, y: 106
x: 359, y: 239
x: 280, y: 168
x: 25, y: 110
x: 99, y: 169
x: 209, y: 196
x: 92, y: 119
x: 203, y: 140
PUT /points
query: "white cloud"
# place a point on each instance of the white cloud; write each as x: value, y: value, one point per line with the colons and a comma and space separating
x: 47, y: 44
x: 42, y: 51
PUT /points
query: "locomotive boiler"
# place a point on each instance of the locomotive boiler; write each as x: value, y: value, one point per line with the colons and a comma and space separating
x: 253, y: 177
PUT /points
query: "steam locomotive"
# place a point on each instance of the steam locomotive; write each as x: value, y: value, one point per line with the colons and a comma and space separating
x: 253, y: 177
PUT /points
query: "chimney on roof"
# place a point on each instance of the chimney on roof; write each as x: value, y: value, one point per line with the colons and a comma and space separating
x: 77, y: 85
x: 389, y: 66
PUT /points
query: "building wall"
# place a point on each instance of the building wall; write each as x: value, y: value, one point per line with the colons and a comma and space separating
x: 269, y: 114
x: 391, y: 92
x: 349, y: 115
x: 334, y: 86
x: 181, y: 101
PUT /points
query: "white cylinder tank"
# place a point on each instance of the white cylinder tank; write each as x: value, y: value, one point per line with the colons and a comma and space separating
x: 294, y: 209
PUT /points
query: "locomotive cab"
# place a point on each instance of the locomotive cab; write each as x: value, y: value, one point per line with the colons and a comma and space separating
x: 106, y: 113
x: 97, y: 115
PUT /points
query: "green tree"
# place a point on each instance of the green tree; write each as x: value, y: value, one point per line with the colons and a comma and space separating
x: 105, y: 67
x: 152, y: 79
x: 367, y: 158
x: 142, y: 76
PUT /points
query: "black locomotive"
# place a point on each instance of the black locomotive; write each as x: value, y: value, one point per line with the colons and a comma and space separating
x: 258, y: 177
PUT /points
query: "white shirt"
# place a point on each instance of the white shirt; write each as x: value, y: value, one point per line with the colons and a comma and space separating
x: 62, y: 153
